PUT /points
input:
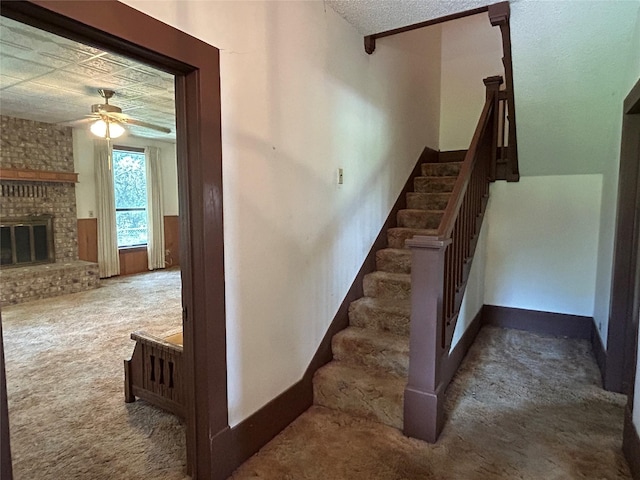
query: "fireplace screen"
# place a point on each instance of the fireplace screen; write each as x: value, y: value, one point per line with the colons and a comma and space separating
x: 25, y: 241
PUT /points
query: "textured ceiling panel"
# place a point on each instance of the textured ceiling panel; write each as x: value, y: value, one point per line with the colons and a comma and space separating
x: 375, y: 16
x: 51, y: 79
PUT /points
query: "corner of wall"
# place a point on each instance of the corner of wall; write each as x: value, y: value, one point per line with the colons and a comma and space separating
x: 548, y: 264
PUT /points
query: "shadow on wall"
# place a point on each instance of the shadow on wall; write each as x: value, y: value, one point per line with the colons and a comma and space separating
x: 298, y: 239
x: 303, y: 263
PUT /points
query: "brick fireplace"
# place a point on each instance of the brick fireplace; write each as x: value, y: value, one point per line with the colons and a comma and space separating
x: 37, y: 183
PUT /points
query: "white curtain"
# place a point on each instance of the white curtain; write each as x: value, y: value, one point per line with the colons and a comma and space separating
x: 155, y: 212
x: 108, y: 258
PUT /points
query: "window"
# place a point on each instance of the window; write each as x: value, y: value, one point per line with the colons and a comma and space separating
x: 130, y: 184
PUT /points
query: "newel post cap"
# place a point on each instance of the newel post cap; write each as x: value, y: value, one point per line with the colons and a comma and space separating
x: 433, y: 243
x: 496, y: 79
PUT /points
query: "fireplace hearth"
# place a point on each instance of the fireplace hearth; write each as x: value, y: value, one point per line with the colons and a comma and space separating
x: 26, y: 241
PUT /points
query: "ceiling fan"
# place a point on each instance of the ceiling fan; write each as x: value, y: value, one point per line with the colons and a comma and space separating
x: 109, y: 119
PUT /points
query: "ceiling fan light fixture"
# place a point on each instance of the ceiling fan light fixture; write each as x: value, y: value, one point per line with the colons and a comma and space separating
x: 99, y: 129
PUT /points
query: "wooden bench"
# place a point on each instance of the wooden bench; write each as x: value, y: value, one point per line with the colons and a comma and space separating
x: 154, y: 372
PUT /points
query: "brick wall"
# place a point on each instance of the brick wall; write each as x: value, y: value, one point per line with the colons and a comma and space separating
x: 41, y: 146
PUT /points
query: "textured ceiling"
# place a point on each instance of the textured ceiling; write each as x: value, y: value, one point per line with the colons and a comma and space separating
x: 47, y: 78
x: 376, y: 16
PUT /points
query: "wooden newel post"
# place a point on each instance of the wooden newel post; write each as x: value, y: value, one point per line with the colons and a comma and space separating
x: 492, y: 85
x: 424, y: 395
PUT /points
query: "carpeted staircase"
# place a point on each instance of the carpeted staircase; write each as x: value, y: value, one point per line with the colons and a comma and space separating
x: 371, y: 357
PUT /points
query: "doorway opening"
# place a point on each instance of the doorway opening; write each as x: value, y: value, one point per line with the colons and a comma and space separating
x: 117, y: 28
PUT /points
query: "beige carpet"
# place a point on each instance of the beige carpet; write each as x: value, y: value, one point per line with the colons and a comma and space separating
x: 523, y: 406
x: 64, y: 359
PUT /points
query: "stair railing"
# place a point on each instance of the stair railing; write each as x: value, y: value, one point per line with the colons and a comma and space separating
x: 439, y: 271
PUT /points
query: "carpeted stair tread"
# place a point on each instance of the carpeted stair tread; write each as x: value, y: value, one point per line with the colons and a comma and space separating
x: 447, y: 169
x: 386, y: 315
x: 360, y: 391
x: 387, y: 285
x: 394, y: 260
x: 372, y: 348
x: 371, y: 356
x: 418, y: 218
x: 434, y: 184
x: 428, y: 201
x: 398, y: 235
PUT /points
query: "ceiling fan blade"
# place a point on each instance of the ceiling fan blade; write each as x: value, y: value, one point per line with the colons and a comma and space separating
x: 140, y: 123
x: 80, y: 121
x: 131, y: 121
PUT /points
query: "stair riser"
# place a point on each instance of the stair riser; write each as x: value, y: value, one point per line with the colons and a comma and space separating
x: 419, y: 219
x: 386, y: 288
x: 365, y: 401
x: 427, y: 201
x: 393, y: 359
x: 397, y: 237
x: 368, y: 375
x: 441, y: 169
x: 393, y: 262
x: 378, y: 319
x: 433, y: 184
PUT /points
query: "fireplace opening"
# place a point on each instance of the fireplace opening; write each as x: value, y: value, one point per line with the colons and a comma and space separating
x: 26, y: 241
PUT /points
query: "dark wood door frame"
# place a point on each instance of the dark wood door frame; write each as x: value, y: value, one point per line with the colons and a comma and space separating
x: 5, y: 446
x: 630, y: 153
x: 620, y: 358
x: 113, y: 26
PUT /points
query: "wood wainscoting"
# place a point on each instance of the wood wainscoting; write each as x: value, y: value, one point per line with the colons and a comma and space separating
x: 132, y: 260
x: 88, y: 239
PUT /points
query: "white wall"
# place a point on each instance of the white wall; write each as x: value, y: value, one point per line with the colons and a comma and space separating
x: 474, y: 294
x: 471, y: 51
x: 300, y: 98
x: 569, y: 60
x: 541, y: 244
x: 83, y: 164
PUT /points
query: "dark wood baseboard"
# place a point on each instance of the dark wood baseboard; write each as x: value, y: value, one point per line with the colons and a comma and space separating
x: 239, y: 443
x: 245, y: 439
x: 462, y: 347
x: 631, y: 444
x: 254, y: 432
x: 547, y: 323
x: 452, y: 156
x: 598, y: 351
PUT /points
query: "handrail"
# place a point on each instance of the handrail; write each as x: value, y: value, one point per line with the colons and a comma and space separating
x: 457, y: 226
x: 440, y: 267
x: 499, y: 15
x: 452, y: 209
x: 460, y: 187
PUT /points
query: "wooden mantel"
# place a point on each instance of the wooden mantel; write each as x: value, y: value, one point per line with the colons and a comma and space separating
x: 28, y: 175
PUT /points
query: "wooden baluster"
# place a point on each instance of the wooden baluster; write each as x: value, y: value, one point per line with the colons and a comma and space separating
x: 492, y: 85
